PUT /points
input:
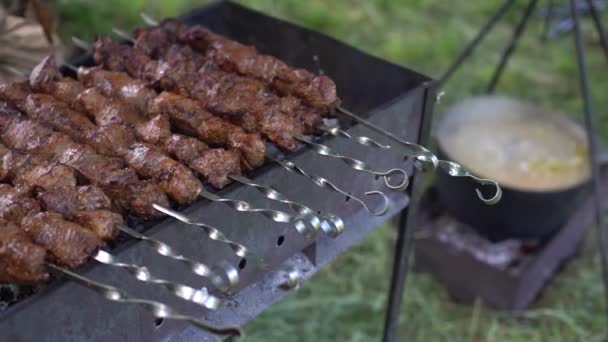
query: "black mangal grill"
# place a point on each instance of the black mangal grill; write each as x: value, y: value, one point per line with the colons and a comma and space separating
x: 387, y: 95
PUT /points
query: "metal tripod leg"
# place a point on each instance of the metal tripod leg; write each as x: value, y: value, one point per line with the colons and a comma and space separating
x: 405, y: 227
x: 506, y: 55
x: 592, y: 141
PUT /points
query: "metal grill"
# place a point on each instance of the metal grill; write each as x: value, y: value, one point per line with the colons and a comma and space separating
x: 388, y: 95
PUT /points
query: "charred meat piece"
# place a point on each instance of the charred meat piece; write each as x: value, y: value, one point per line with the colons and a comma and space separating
x: 42, y: 144
x: 186, y: 114
x: 113, y: 139
x: 15, y: 205
x: 158, y: 131
x: 101, y: 222
x: 214, y: 164
x: 175, y: 179
x: 288, y: 105
x: 223, y: 94
x: 69, y: 243
x: 317, y: 91
x: 21, y: 261
x: 74, y: 199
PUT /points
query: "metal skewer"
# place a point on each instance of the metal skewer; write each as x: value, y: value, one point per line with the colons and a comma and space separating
x: 142, y: 273
x: 359, y: 165
x: 229, y: 275
x: 426, y: 160
x: 324, y: 183
x: 158, y: 309
x: 332, y: 225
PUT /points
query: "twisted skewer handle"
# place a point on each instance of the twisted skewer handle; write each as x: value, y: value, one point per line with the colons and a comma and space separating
x: 331, y: 224
x: 361, y: 140
x: 324, y: 183
x: 212, y: 232
x: 426, y: 160
x: 142, y: 273
x: 229, y: 275
x: 360, y: 165
x: 307, y: 224
x: 158, y: 309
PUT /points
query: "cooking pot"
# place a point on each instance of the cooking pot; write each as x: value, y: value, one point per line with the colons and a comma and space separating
x: 539, y: 158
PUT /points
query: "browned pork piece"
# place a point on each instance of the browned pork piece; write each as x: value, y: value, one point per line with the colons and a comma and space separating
x: 233, y: 97
x: 317, y: 91
x: 21, y: 261
x: 185, y: 114
x: 40, y: 144
x: 113, y: 140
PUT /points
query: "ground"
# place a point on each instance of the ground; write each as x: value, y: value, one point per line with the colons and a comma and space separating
x: 346, y: 301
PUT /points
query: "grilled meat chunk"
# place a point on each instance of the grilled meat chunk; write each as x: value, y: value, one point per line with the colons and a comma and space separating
x: 186, y: 114
x: 223, y: 94
x: 317, y: 91
x: 69, y: 243
x: 21, y: 261
x: 113, y: 139
x: 42, y: 144
x: 15, y: 205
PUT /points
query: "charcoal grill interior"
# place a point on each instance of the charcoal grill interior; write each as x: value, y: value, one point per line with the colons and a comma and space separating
x: 390, y: 96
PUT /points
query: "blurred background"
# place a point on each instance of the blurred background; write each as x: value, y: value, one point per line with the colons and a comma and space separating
x: 346, y: 301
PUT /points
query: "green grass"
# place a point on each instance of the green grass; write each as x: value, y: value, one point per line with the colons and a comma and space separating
x: 346, y: 301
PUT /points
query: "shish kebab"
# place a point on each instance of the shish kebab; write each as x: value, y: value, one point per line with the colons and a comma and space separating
x: 65, y: 242
x: 186, y: 113
x: 117, y: 125
x: 152, y: 126
x: 230, y: 95
x: 316, y: 91
x: 71, y: 243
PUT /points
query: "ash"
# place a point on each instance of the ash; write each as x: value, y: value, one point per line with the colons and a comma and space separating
x: 500, y: 255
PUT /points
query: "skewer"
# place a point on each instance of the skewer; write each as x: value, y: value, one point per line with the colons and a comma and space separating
x: 359, y: 165
x: 324, y: 183
x: 326, y: 150
x: 158, y: 309
x: 230, y: 274
x: 332, y: 225
x: 426, y: 160
x: 142, y: 273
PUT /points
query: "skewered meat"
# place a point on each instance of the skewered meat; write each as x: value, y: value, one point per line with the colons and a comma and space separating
x: 115, y: 139
x: 69, y: 243
x: 15, y: 205
x: 42, y: 144
x: 317, y: 91
x: 223, y: 94
x: 86, y: 205
x: 21, y: 261
x: 185, y: 113
x: 157, y: 131
x: 290, y: 105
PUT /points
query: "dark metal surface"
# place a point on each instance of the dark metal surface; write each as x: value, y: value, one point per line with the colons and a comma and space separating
x: 388, y: 95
